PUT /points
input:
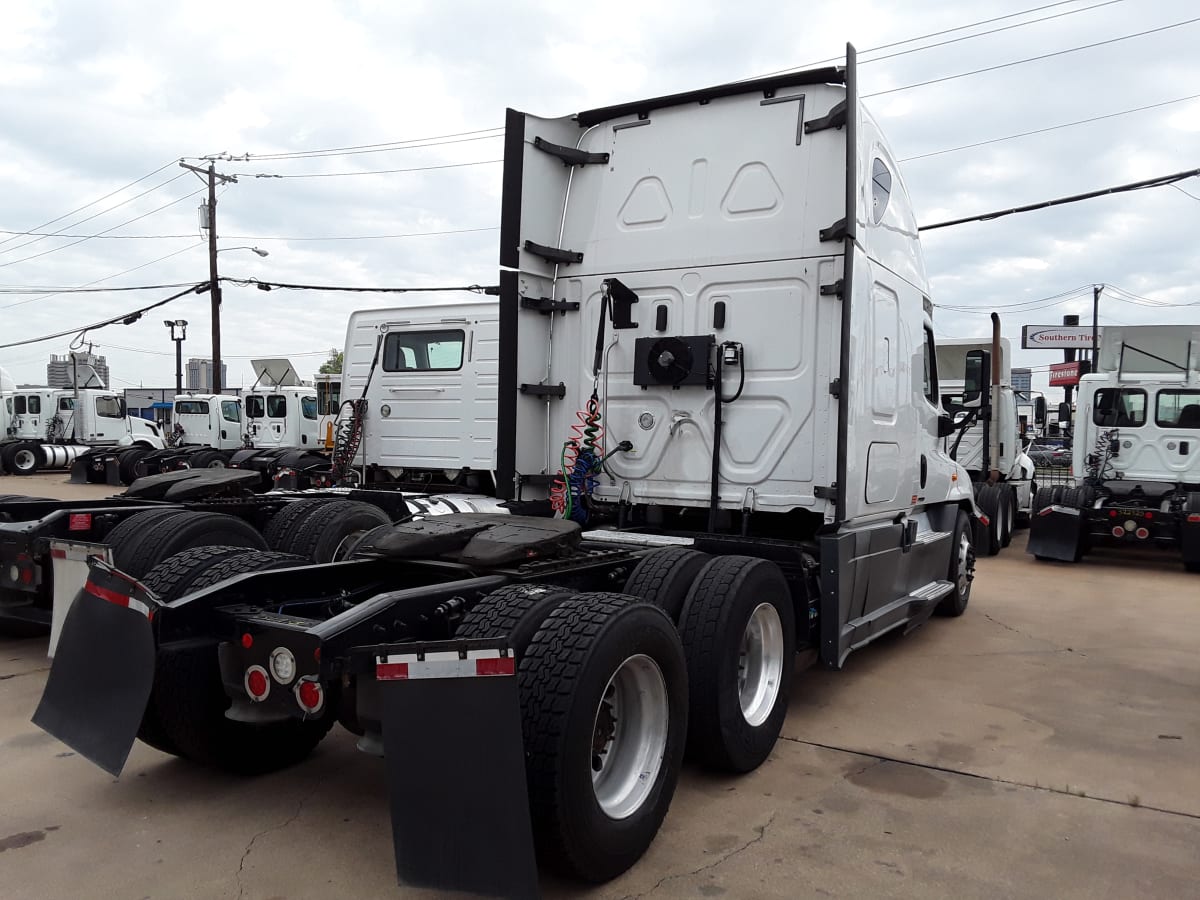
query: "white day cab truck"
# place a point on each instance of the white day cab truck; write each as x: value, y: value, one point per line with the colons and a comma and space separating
x: 1136, y: 445
x: 53, y: 428
x: 976, y: 384
x: 731, y: 405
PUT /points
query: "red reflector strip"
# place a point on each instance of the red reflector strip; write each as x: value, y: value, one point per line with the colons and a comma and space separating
x: 1193, y: 517
x: 444, y: 664
x: 391, y: 671
x: 56, y: 553
x: 79, y: 522
x: 984, y: 519
x: 116, y: 598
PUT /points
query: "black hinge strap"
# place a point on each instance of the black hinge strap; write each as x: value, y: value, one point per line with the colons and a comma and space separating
x: 570, y: 155
x: 545, y: 391
x: 833, y: 290
x: 826, y: 493
x: 835, y: 118
x: 548, y: 306
x: 554, y: 254
x: 835, y: 232
x: 835, y: 387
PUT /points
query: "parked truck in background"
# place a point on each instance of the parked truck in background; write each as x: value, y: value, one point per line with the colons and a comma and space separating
x: 1136, y: 451
x: 976, y: 384
x: 736, y: 484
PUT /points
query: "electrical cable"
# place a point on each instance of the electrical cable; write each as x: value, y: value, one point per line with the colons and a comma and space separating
x: 1022, y: 134
x: 259, y: 237
x: 126, y: 318
x: 345, y: 151
x: 90, y: 290
x: 1020, y: 62
x: 1160, y: 181
x: 481, y: 162
x: 97, y: 200
x: 272, y: 285
x: 95, y: 216
x: 114, y: 228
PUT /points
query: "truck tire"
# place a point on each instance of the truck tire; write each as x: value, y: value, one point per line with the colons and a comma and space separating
x: 133, y: 529
x: 208, y: 459
x: 1192, y: 505
x: 738, y: 628
x: 1008, y: 513
x: 604, y: 715
x: 962, y: 569
x: 988, y: 498
x: 170, y: 580
x: 515, y: 611
x: 127, y: 463
x: 327, y: 533
x: 278, y: 532
x: 190, y: 702
x: 6, y: 452
x: 24, y: 459
x: 182, y: 531
x: 664, y: 577
x: 1044, y: 498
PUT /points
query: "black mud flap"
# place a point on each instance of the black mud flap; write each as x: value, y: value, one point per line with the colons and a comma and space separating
x: 112, y: 471
x: 456, y: 769
x: 1056, y: 532
x: 103, y: 669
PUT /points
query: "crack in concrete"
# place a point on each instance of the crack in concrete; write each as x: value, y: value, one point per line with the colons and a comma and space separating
x: 22, y: 674
x: 1025, y: 634
x: 761, y: 833
x: 250, y: 844
x: 996, y: 779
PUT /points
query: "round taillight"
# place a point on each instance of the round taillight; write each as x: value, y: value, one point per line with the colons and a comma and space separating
x: 1149, y: 516
x: 1142, y: 533
x: 310, y: 696
x: 27, y: 575
x: 1118, y: 531
x: 1112, y: 513
x: 256, y: 683
x: 283, y: 665
x: 247, y: 640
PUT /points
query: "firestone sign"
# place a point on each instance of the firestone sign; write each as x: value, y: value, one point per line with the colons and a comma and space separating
x: 1049, y: 337
x: 1064, y: 374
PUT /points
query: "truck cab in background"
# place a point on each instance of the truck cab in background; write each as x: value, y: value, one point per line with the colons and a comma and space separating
x: 1136, y: 450
x: 976, y: 385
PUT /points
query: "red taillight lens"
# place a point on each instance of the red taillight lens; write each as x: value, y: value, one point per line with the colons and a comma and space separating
x: 247, y: 640
x: 1148, y: 516
x: 1118, y: 531
x: 1142, y: 533
x: 27, y: 575
x: 310, y: 696
x: 1194, y: 517
x: 257, y: 684
x: 1112, y: 513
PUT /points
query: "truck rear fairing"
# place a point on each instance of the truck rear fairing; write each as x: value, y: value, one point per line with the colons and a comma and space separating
x: 735, y: 252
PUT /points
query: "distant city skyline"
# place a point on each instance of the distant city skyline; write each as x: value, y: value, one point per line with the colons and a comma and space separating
x: 199, y: 374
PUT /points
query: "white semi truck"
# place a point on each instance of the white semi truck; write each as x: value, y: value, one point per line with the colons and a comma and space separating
x: 716, y: 365
x: 1136, y: 451
x: 976, y: 384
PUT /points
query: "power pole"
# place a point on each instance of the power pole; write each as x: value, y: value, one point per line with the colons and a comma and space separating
x: 1096, y: 289
x: 214, y: 291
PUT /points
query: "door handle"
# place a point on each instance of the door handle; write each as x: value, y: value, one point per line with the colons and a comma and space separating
x: 1183, y: 448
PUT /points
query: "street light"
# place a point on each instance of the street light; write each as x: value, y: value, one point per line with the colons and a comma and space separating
x: 181, y: 324
x: 255, y: 249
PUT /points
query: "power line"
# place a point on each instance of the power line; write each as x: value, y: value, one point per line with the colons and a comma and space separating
x: 127, y: 318
x: 1022, y: 134
x: 96, y: 215
x: 1075, y: 198
x: 1182, y: 191
x: 357, y: 148
x: 98, y: 199
x: 114, y: 228
x: 272, y: 237
x: 272, y: 285
x: 481, y: 162
x: 83, y: 289
x: 88, y: 287
x: 1019, y: 62
x: 110, y: 346
x: 911, y: 40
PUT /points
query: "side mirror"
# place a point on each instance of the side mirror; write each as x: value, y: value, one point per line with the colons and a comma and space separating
x: 975, y: 378
x: 1039, y: 410
x: 946, y: 426
x: 1064, y: 413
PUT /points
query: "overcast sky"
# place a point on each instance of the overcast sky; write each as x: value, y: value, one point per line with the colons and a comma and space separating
x: 96, y: 95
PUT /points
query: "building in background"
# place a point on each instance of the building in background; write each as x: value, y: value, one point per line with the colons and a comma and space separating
x: 60, y: 371
x: 199, y: 374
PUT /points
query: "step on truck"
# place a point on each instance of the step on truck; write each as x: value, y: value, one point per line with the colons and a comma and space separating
x: 717, y: 362
x: 976, y: 383
x: 1136, y: 451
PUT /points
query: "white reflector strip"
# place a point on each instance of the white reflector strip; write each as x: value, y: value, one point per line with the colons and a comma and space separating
x: 444, y: 664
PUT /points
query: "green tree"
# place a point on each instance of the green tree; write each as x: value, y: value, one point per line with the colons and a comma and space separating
x: 333, y: 365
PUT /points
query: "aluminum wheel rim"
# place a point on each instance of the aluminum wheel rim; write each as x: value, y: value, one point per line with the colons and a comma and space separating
x: 629, y: 736
x: 760, y: 664
x: 216, y: 464
x: 23, y: 460
x: 1010, y: 516
x: 965, y: 563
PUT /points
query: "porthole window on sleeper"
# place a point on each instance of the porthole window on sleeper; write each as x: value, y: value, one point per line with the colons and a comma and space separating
x: 881, y: 189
